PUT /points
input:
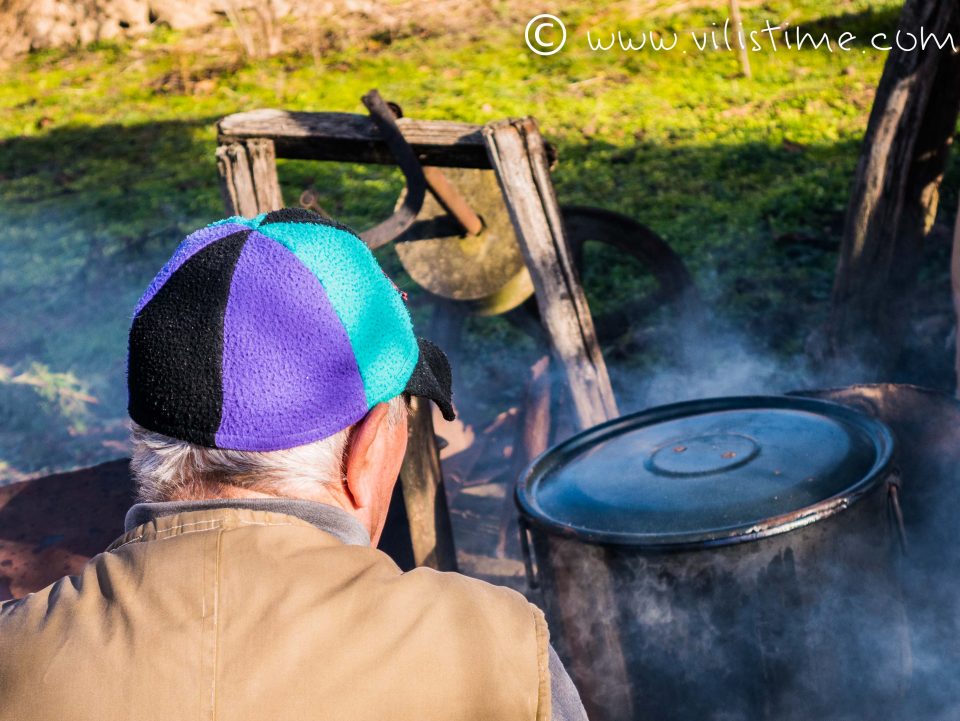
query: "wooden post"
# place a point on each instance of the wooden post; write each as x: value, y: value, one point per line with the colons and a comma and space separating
x: 248, y: 177
x: 263, y: 167
x: 518, y: 154
x: 424, y: 495
x: 742, y: 55
x: 236, y: 183
x: 532, y: 438
x: 895, y: 195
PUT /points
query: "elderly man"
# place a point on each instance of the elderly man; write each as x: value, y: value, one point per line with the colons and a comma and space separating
x: 269, y: 361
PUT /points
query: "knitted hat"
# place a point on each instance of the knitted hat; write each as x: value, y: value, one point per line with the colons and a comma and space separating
x: 272, y: 332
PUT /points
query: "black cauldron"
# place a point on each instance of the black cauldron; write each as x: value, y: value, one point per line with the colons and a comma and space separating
x: 730, y: 558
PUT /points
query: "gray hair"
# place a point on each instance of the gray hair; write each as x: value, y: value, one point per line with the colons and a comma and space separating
x: 167, y: 469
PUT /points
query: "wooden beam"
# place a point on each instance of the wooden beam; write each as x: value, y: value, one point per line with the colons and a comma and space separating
x: 348, y: 137
x: 518, y: 154
x: 424, y: 495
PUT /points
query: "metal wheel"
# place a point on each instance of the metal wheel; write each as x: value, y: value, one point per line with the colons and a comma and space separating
x: 671, y: 283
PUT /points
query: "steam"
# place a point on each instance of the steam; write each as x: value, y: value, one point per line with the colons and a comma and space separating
x: 704, y: 356
x: 722, y: 363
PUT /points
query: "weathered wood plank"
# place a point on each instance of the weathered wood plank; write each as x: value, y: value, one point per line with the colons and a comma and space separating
x: 424, y: 495
x: 236, y: 180
x: 348, y: 137
x: 248, y: 177
x: 263, y: 167
x: 518, y: 154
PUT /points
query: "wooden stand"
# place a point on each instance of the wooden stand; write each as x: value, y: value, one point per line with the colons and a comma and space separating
x: 249, y: 144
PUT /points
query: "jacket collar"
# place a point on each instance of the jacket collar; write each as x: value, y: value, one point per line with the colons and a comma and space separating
x: 335, y: 521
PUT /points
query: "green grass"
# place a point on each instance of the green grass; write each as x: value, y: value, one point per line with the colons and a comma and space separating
x: 107, y: 160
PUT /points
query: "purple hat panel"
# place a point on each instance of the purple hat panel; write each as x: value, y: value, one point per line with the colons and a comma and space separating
x: 290, y: 376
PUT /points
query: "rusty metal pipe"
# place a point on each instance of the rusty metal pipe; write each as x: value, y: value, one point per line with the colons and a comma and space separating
x: 452, y: 201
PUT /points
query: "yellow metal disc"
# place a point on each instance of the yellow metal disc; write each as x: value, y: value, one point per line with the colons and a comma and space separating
x: 486, y: 270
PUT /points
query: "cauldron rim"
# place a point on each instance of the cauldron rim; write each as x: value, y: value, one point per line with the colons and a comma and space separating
x: 882, y: 468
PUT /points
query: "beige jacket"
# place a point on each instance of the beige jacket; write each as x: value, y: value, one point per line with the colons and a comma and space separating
x: 242, y: 615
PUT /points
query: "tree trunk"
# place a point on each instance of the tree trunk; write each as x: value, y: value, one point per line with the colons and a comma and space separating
x: 895, y: 195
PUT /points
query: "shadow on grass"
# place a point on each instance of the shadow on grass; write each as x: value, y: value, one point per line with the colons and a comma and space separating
x: 864, y: 24
x: 89, y: 214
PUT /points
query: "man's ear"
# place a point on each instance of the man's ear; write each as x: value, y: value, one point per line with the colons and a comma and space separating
x: 368, y: 446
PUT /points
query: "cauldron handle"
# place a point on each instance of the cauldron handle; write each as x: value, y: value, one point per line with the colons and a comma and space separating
x: 533, y: 583
x: 893, y: 493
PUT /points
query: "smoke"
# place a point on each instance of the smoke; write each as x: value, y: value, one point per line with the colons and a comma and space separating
x: 928, y: 428
x: 67, y: 287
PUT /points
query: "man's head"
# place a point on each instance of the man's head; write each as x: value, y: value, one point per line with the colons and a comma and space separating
x: 268, y: 347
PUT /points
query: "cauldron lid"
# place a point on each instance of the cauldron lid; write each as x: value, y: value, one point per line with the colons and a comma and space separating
x: 710, y: 471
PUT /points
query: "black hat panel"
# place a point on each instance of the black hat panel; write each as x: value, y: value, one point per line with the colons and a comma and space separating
x: 176, y: 347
